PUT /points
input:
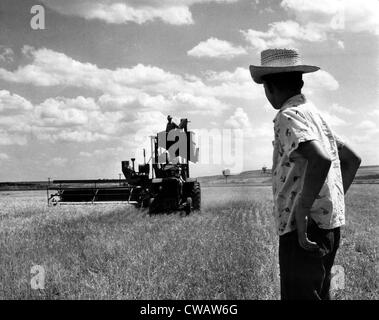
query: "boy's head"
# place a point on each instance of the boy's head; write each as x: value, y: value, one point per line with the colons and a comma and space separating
x: 281, y: 86
x: 281, y: 73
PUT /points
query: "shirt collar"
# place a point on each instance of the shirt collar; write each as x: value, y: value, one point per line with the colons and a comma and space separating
x: 294, y: 101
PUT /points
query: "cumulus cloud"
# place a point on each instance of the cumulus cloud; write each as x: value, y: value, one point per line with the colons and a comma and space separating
x: 240, y: 120
x: 326, y: 7
x: 6, y: 54
x: 342, y: 110
x: 369, y: 130
x: 144, y: 86
x: 124, y: 11
x: 333, y: 120
x: 14, y: 118
x: 51, y: 68
x: 215, y: 48
x: 10, y: 138
x: 13, y: 103
x: 3, y: 156
x: 195, y: 104
x: 20, y: 123
x: 314, y: 20
x: 374, y: 112
x: 349, y: 15
x: 79, y: 119
x: 367, y: 124
x: 239, y: 75
x: 129, y: 100
x: 283, y: 34
x: 66, y: 112
x: 234, y: 84
x: 319, y: 80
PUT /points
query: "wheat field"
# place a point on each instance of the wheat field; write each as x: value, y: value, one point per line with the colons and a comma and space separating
x: 226, y: 251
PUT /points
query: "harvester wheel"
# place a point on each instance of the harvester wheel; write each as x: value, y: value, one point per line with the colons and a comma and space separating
x: 196, y: 196
x: 145, y: 202
x: 188, y: 205
x: 152, y: 206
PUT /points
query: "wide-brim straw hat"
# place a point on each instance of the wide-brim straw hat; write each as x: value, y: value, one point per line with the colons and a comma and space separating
x: 279, y: 61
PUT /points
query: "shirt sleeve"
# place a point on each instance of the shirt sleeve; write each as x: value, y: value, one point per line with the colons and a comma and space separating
x: 293, y: 129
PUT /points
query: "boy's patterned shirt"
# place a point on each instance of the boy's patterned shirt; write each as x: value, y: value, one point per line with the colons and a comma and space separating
x: 298, y: 121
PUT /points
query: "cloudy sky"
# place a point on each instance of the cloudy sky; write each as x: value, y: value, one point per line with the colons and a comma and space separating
x: 86, y: 92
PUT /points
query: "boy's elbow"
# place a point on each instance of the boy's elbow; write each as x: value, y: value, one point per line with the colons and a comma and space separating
x: 357, y: 160
x: 349, y: 158
x: 354, y: 161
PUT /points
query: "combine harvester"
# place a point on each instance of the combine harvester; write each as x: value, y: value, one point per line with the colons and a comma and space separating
x: 168, y: 188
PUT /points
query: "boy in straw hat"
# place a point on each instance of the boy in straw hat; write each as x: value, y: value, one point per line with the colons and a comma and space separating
x: 312, y: 170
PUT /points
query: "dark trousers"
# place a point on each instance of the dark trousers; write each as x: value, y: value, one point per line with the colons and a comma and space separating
x: 305, y: 275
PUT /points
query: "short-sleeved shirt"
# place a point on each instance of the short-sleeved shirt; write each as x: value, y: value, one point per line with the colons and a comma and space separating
x: 299, y: 121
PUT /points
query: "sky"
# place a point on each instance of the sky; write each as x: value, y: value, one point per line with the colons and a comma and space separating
x: 88, y: 88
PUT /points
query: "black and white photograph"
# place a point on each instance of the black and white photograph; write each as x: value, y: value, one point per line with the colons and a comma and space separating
x: 189, y: 155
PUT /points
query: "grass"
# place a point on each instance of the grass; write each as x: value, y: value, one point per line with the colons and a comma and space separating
x: 359, y: 246
x: 228, y: 251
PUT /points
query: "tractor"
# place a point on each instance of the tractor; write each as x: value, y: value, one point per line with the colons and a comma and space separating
x: 172, y: 188
x: 167, y: 187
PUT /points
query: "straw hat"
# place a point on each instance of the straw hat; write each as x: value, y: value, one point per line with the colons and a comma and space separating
x: 279, y: 61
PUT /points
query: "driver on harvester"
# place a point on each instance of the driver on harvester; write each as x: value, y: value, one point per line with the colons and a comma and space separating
x: 170, y: 124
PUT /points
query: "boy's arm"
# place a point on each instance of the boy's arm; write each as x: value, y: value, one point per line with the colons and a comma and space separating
x: 315, y: 175
x: 350, y: 163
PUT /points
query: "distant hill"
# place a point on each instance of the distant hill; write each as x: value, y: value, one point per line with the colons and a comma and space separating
x: 366, y: 174
x: 251, y: 177
x: 23, y: 185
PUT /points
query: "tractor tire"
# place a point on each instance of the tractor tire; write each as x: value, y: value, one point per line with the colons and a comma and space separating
x: 145, y: 203
x: 152, y: 206
x: 196, y: 196
x: 188, y: 206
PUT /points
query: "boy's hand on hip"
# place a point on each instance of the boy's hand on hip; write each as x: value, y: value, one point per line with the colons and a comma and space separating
x: 301, y: 217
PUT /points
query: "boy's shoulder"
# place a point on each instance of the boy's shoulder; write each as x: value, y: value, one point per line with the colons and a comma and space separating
x: 302, y: 111
x: 294, y: 111
x: 308, y: 106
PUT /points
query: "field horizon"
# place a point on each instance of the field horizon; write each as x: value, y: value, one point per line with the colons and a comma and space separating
x: 365, y: 174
